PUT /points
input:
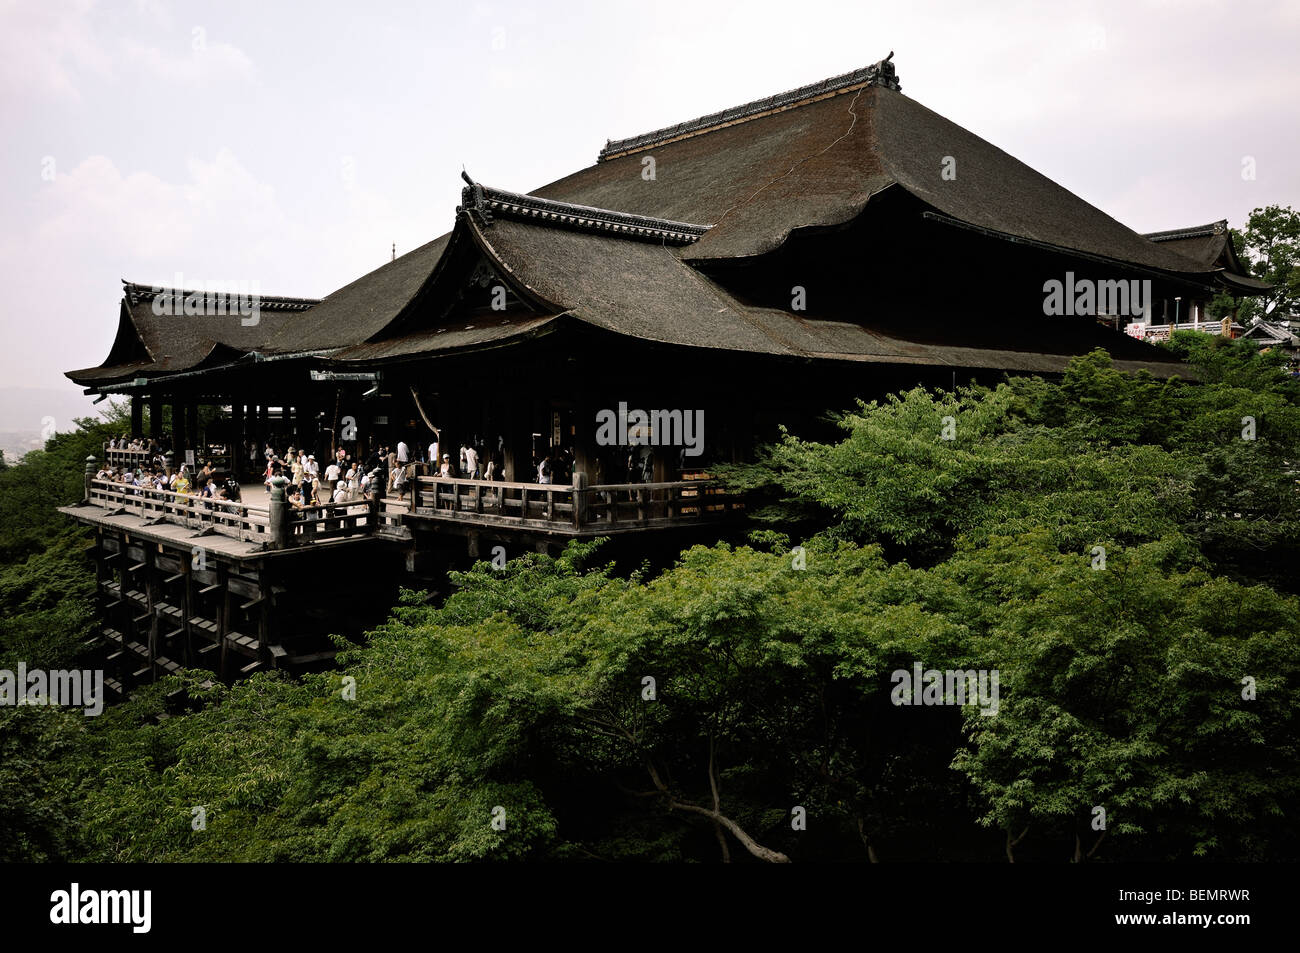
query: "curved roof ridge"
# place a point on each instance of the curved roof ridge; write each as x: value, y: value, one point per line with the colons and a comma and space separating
x: 134, y: 290
x: 881, y: 73
x: 483, y: 202
x: 1192, y: 231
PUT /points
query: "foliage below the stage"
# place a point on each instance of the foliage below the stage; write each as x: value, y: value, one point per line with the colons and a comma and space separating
x: 741, y: 704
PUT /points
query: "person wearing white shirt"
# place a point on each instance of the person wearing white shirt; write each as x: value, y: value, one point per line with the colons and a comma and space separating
x: 341, y: 492
x: 471, y: 463
x: 403, y: 453
x: 332, y: 473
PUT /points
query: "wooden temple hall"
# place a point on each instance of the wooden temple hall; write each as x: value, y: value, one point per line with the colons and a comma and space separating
x: 637, y: 322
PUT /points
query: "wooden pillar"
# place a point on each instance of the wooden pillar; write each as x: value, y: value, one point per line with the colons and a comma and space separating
x: 152, y: 590
x: 519, y: 428
x: 176, y: 428
x: 192, y: 425
x: 307, y: 426
x: 223, y: 617
x: 584, y: 436
x: 187, y: 607
x: 155, y: 417
x: 238, y: 455
x: 264, y: 616
x: 137, y: 417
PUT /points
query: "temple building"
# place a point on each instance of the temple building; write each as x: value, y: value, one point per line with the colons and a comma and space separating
x: 699, y: 285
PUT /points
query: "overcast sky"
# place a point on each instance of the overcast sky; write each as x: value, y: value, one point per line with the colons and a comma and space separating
x: 293, y: 143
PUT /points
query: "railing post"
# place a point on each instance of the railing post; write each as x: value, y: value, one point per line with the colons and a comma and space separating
x: 168, y: 460
x: 579, y: 498
x: 279, y: 514
x: 91, y: 468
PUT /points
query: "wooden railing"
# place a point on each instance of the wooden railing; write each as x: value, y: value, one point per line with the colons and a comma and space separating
x: 561, y: 508
x: 121, y: 457
x: 580, y: 507
x: 228, y: 518
x: 657, y: 504
x: 331, y: 521
x: 519, y: 502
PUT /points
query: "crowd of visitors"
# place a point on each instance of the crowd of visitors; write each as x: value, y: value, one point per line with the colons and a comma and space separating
x: 205, y: 484
x: 342, y: 480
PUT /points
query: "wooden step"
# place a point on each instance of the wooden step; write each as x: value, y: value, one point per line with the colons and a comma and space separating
x: 246, y: 644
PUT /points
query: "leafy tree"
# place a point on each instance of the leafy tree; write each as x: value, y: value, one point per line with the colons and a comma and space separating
x: 1269, y: 247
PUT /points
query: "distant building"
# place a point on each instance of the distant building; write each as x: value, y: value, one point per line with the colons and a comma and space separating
x: 1210, y: 249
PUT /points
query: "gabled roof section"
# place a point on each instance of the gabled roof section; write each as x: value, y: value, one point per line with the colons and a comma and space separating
x: 156, y: 336
x: 461, y: 282
x: 1208, y: 246
x: 813, y: 160
x: 645, y: 291
x: 1211, y: 248
x: 1269, y: 333
x: 363, y: 308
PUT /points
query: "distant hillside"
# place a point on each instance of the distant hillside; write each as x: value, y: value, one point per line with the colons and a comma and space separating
x: 26, y: 408
x: 29, y: 414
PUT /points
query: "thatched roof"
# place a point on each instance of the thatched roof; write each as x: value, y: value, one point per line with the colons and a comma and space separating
x: 618, y: 249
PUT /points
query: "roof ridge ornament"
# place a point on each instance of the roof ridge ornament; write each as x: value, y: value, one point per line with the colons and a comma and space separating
x: 485, y: 203
x: 881, y: 73
x: 473, y: 201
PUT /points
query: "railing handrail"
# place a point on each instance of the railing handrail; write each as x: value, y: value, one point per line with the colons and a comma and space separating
x: 130, y: 489
x: 521, y: 504
x: 673, y: 484
x: 568, y: 486
x: 495, y: 484
x: 329, y: 506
